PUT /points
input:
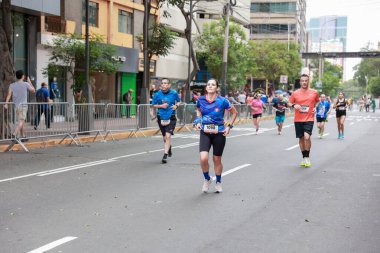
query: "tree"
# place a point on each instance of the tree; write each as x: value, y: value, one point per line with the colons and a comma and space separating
x: 68, y: 55
x: 374, y: 86
x: 160, y: 40
x: 331, y: 79
x: 210, y: 48
x: 7, y: 73
x: 272, y: 59
x: 353, y: 89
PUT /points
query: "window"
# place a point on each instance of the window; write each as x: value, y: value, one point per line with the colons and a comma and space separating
x: 93, y: 13
x: 125, y: 22
x: 281, y: 7
x: 271, y: 28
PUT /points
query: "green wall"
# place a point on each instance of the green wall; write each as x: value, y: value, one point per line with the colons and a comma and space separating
x: 128, y: 81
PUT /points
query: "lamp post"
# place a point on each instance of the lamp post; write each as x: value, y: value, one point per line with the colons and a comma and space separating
x: 188, y: 90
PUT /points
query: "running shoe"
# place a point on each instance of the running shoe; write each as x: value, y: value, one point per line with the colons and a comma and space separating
x: 303, y: 162
x: 170, y: 151
x: 307, y: 162
x: 206, y: 185
x: 165, y: 158
x: 218, y: 187
x: 342, y: 136
x: 339, y: 136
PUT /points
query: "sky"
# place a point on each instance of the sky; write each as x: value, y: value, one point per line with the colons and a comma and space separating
x: 363, y: 23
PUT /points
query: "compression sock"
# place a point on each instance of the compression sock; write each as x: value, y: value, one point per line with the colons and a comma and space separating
x: 206, y: 175
x: 218, y: 178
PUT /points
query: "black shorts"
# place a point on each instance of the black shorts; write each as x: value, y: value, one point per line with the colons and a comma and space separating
x: 340, y: 113
x: 217, y: 141
x: 256, y: 115
x: 303, y: 127
x: 168, y: 128
x: 321, y: 119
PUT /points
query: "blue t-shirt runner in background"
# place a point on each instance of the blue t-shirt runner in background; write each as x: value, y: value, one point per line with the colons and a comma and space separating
x: 322, y: 109
x: 171, y: 98
x: 213, y: 111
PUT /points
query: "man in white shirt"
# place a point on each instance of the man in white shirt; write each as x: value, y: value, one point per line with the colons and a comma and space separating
x: 18, y: 91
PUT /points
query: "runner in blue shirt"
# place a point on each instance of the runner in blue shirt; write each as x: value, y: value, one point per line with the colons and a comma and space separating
x: 213, y: 131
x: 323, y: 111
x: 167, y: 102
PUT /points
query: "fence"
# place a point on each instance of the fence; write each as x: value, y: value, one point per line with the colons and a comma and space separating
x: 44, y: 120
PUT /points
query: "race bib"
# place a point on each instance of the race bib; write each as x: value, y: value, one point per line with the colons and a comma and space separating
x: 342, y: 108
x: 165, y: 122
x: 304, y: 109
x: 210, y: 128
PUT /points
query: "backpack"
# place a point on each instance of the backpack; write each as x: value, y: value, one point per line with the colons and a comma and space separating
x: 40, y: 96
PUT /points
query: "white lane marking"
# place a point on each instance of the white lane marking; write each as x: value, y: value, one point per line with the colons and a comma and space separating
x: 352, y: 123
x: 233, y: 170
x: 187, y: 145
x: 292, y: 147
x: 157, y: 150
x: 326, y: 134
x: 125, y: 156
x: 376, y: 120
x: 53, y: 244
x: 376, y: 175
x: 76, y: 168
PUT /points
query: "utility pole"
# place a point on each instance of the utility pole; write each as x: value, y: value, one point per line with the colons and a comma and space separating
x: 144, y: 88
x: 227, y: 9
x: 87, y: 57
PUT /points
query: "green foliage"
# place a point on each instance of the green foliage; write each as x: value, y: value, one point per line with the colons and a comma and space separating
x: 374, y: 86
x: 160, y: 40
x: 353, y: 89
x: 68, y: 55
x: 367, y: 68
x: 210, y: 48
x: 271, y: 59
x: 331, y: 79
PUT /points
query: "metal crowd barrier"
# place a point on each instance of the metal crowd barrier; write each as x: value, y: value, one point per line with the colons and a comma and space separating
x: 62, y: 119
x: 121, y: 118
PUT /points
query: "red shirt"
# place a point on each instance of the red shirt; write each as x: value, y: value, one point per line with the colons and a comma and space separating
x: 306, y: 99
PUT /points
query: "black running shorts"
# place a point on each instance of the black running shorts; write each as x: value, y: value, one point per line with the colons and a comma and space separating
x: 321, y: 119
x: 303, y: 127
x: 168, y: 128
x: 217, y: 141
x: 255, y: 116
x: 340, y: 113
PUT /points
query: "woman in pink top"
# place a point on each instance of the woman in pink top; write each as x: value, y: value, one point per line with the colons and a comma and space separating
x: 257, y: 111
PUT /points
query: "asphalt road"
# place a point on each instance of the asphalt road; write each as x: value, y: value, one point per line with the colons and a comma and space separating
x: 118, y: 197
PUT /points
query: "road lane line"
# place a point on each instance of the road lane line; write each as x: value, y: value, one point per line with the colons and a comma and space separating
x: 292, y: 147
x: 157, y: 150
x: 326, y: 134
x: 125, y: 156
x: 233, y: 170
x: 376, y: 175
x: 76, y: 168
x: 53, y: 244
x: 352, y: 123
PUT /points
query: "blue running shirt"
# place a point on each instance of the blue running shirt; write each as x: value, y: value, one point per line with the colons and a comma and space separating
x: 213, y: 111
x: 171, y: 98
x: 322, y: 109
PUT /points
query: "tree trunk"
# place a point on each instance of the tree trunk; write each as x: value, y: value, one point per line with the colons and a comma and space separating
x: 6, y: 65
x: 193, y: 56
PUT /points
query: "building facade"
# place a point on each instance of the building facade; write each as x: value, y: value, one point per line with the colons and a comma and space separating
x: 279, y: 20
x: 329, y: 34
x: 115, y: 21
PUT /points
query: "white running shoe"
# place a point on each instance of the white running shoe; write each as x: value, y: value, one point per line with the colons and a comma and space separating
x: 206, y: 185
x: 307, y: 162
x: 218, y: 188
x: 303, y: 162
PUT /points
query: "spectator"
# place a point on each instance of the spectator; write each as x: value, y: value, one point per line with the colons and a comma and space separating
x: 43, y: 98
x: 18, y: 91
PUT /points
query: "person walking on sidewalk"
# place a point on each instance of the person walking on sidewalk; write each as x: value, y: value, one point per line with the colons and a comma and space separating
x: 323, y: 110
x: 213, y: 131
x: 167, y: 102
x: 304, y: 101
x: 43, y: 98
x: 18, y: 91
